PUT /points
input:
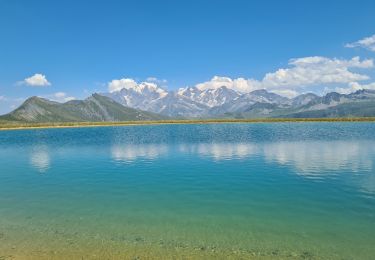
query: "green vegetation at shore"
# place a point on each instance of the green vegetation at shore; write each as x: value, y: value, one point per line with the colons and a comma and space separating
x: 21, y: 125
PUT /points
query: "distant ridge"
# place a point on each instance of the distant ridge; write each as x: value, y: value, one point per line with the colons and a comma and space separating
x: 192, y: 103
x: 95, y: 108
x: 223, y: 102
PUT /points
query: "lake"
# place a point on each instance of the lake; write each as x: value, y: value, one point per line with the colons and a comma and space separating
x: 209, y: 191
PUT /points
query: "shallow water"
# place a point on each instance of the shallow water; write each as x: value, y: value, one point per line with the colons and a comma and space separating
x: 220, y: 191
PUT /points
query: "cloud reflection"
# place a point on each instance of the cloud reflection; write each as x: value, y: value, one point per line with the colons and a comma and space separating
x: 306, y: 156
x: 40, y: 159
x: 319, y: 157
x: 310, y: 159
x: 129, y: 153
x: 221, y: 151
x: 314, y: 159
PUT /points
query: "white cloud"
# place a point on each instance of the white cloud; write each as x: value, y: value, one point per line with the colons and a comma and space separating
x: 37, y: 80
x: 60, y: 97
x: 152, y: 79
x: 306, y: 74
x: 157, y: 80
x: 357, y: 86
x: 3, y: 98
x: 60, y: 94
x: 239, y: 84
x: 286, y: 92
x: 118, y: 84
x: 302, y: 74
x: 367, y: 43
x: 316, y: 70
x: 352, y: 87
x: 128, y: 83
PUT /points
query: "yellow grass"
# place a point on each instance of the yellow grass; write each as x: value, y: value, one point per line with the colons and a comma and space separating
x: 7, y: 125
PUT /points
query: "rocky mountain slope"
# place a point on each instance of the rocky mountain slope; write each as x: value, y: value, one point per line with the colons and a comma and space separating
x: 192, y: 102
x: 149, y: 102
x: 93, y: 109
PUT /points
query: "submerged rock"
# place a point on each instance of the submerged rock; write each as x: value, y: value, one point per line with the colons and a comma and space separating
x: 307, y: 255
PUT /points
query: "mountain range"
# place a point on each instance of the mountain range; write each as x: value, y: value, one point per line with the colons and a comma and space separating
x: 93, y: 109
x: 147, y: 101
x: 223, y: 102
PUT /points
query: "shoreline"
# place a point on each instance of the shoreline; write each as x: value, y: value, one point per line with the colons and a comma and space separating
x: 21, y: 126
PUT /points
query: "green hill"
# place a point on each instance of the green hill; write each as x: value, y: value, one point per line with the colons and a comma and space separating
x: 354, y: 109
x: 95, y: 108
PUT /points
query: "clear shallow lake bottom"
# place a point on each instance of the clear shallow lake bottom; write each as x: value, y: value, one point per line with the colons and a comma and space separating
x: 213, y: 191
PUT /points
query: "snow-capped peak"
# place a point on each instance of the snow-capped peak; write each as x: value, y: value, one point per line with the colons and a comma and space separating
x: 149, y: 87
x: 118, y: 85
x: 189, y: 91
x: 210, y: 97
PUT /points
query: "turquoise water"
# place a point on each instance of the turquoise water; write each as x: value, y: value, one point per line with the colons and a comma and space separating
x: 277, y: 190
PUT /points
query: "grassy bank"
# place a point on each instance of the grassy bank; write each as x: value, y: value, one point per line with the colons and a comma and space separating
x: 7, y: 125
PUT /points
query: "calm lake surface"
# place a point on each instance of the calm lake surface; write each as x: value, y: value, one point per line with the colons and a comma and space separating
x: 217, y: 191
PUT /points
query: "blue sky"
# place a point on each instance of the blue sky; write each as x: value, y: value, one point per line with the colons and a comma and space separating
x: 81, y: 46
